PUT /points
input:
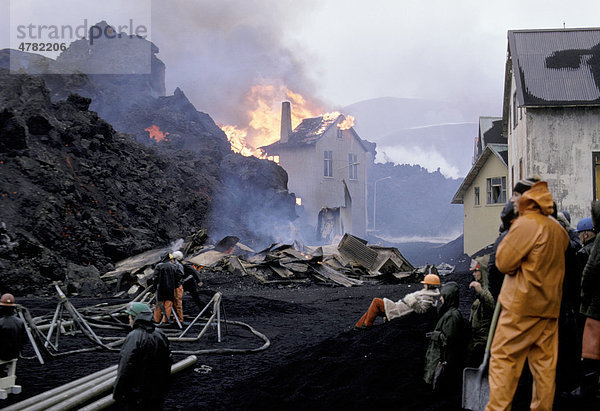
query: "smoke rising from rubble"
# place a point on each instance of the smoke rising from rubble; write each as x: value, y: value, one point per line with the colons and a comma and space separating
x: 217, y: 51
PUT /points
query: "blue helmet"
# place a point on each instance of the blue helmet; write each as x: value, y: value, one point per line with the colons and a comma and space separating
x: 585, y: 224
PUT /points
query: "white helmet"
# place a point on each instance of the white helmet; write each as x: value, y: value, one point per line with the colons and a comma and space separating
x: 177, y: 255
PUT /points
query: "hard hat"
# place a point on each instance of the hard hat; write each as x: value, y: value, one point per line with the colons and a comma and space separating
x: 176, y: 255
x: 134, y: 308
x: 585, y: 224
x: 431, y: 279
x: 7, y: 300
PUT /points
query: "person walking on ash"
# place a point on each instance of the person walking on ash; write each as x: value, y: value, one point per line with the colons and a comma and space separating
x: 169, y: 291
x: 144, y: 369
x: 419, y: 301
x: 191, y: 279
x: 532, y: 257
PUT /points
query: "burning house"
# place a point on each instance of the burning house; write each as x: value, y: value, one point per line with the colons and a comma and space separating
x: 327, y: 165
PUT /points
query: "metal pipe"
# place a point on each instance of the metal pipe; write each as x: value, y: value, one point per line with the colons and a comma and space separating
x: 52, y: 325
x: 214, y: 297
x: 51, y: 401
x: 55, y: 391
x: 108, y: 400
x: 31, y: 339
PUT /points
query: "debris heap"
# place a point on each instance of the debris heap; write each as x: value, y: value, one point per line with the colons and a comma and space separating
x: 348, y: 264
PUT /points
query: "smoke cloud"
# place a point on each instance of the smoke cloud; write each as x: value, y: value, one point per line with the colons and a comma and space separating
x: 216, y: 51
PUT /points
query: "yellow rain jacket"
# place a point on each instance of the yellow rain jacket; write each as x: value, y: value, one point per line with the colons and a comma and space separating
x: 532, y: 255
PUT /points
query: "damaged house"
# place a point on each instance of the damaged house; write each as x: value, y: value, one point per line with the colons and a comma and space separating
x: 327, y: 165
x: 551, y: 112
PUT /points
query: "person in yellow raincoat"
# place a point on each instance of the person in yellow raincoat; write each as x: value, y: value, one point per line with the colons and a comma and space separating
x: 532, y: 255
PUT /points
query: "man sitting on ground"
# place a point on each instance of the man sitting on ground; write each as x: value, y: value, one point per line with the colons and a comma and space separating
x: 419, y: 302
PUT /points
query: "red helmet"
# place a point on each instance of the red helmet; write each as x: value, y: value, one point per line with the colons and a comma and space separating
x: 7, y: 300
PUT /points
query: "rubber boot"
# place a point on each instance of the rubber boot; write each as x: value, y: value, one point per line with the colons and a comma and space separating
x: 590, y: 381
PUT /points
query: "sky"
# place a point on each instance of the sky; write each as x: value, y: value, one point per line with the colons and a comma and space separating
x: 332, y: 52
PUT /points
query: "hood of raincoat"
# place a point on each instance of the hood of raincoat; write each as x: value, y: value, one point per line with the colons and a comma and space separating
x: 450, y: 294
x: 537, y: 197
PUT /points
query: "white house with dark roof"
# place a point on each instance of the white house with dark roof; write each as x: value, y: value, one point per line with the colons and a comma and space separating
x: 483, y: 192
x: 551, y: 113
x: 327, y: 166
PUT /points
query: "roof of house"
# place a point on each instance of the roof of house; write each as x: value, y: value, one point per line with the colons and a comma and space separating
x: 559, y: 67
x: 499, y: 150
x: 310, y: 130
x: 490, y: 132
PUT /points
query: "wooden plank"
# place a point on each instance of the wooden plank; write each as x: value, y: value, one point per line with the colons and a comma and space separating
x: 282, y: 271
x: 336, y: 276
x: 236, y: 267
x: 297, y: 267
x: 207, y: 259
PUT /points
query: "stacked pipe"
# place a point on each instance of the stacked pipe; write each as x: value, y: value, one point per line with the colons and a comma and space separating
x: 80, y: 391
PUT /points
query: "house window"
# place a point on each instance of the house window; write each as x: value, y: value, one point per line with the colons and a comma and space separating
x: 596, y: 157
x: 339, y: 133
x: 496, y: 190
x: 515, y: 119
x: 477, y: 201
x: 298, y: 201
x: 352, y: 167
x: 328, y: 163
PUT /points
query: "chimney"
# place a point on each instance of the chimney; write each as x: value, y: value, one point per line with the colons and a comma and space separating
x: 286, y: 121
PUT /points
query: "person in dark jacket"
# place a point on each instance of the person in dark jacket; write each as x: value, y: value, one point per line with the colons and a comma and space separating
x: 191, y: 279
x: 144, y: 365
x: 166, y: 278
x: 495, y: 277
x: 482, y: 311
x: 445, y: 353
x: 590, y: 308
x: 12, y: 332
x: 570, y: 322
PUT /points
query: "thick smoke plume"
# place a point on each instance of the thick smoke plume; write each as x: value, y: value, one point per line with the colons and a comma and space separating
x: 225, y: 48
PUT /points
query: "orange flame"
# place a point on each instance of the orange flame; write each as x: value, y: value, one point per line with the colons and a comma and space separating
x: 347, y: 123
x: 156, y: 134
x: 264, y: 113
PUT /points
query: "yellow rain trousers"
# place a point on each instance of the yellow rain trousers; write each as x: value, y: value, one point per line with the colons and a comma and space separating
x: 518, y: 338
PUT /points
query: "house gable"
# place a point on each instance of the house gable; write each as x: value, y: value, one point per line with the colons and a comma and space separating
x: 497, y: 150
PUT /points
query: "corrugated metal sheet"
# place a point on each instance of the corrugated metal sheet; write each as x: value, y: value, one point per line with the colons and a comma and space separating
x: 355, y: 249
x: 558, y: 66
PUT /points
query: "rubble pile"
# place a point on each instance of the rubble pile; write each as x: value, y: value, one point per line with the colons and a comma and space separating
x: 77, y: 196
x: 79, y: 193
x: 279, y: 264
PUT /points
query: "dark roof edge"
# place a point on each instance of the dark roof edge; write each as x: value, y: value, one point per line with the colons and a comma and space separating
x: 559, y: 29
x: 474, y: 171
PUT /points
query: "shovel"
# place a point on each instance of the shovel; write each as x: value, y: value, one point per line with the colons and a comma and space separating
x: 476, y: 388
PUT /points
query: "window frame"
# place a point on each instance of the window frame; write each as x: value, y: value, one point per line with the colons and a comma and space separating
x: 352, y: 166
x: 328, y: 163
x: 490, y: 185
